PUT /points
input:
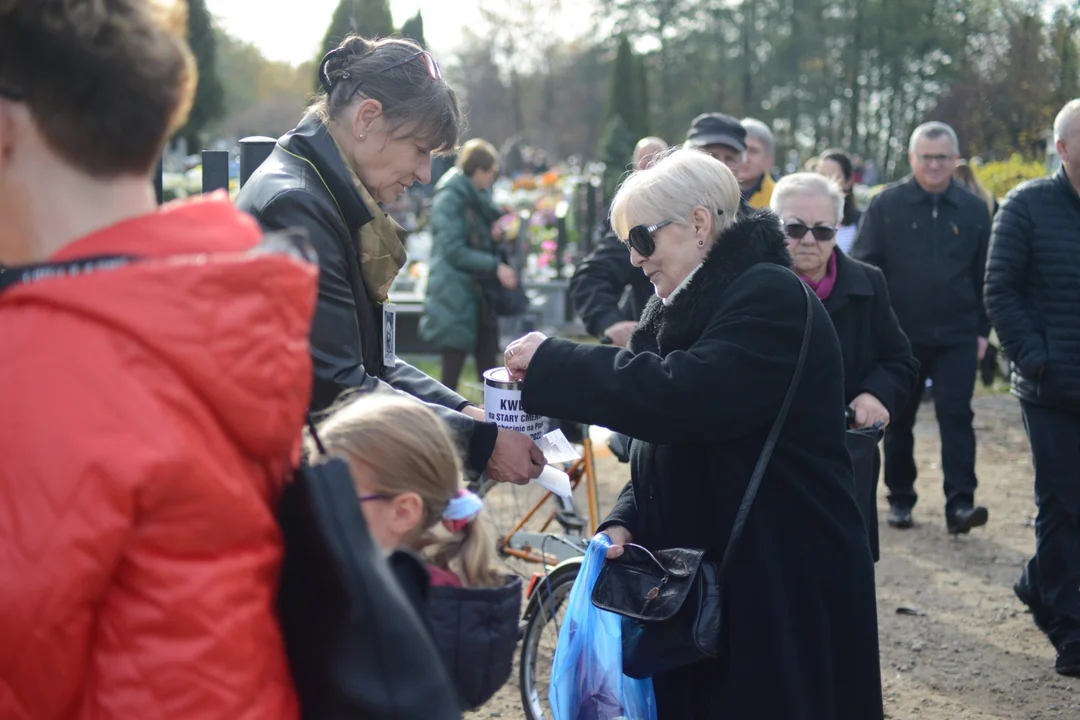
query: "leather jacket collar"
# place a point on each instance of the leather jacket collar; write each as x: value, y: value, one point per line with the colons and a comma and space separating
x: 311, y: 140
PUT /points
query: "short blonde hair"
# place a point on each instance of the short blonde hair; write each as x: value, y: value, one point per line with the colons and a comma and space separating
x: 408, y: 449
x: 676, y: 184
x: 807, y: 184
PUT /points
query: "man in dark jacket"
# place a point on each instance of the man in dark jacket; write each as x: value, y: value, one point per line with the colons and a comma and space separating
x: 1033, y: 297
x: 607, y: 291
x: 929, y: 236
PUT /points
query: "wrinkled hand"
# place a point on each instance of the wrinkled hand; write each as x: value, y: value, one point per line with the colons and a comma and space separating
x: 869, y: 410
x: 516, y: 458
x: 507, y: 277
x: 619, y: 537
x: 620, y: 332
x: 520, y: 353
x: 983, y: 345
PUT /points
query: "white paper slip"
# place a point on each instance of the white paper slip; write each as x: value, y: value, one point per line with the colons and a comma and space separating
x: 555, y: 480
x: 556, y: 448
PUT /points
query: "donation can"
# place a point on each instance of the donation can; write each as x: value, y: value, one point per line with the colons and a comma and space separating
x: 502, y: 405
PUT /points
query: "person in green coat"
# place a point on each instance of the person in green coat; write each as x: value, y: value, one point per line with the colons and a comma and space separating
x: 456, y: 318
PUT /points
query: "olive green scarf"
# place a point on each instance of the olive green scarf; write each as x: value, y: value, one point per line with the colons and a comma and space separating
x: 382, y: 252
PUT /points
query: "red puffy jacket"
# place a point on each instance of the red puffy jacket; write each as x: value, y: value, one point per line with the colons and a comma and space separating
x: 148, y: 418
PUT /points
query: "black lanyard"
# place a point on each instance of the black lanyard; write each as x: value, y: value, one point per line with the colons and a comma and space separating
x: 28, y: 274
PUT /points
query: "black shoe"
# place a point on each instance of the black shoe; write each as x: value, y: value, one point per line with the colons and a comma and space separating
x: 1041, y: 614
x: 1068, y: 660
x: 900, y: 518
x: 961, y: 521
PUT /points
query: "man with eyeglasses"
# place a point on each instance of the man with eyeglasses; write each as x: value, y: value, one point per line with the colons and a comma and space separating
x: 929, y: 236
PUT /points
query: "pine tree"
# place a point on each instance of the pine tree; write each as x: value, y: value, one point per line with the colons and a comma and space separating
x: 209, y: 105
x: 414, y: 29
x: 641, y: 83
x: 1066, y: 54
x: 622, y: 95
x: 370, y: 18
x: 617, y: 150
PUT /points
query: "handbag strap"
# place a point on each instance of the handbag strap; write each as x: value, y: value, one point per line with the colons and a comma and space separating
x: 770, y: 441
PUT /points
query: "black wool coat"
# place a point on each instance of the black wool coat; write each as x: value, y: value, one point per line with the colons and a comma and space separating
x: 877, y: 354
x: 699, y: 389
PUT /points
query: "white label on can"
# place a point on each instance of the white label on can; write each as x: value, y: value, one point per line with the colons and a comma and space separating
x: 503, y: 407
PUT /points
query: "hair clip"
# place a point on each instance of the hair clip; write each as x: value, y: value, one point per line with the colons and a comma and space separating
x: 324, y: 76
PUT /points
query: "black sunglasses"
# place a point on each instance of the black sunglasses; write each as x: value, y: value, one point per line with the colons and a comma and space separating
x: 821, y: 233
x: 641, y: 238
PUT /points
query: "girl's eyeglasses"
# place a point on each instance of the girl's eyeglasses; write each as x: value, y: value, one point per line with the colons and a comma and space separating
x: 641, y: 238
x: 376, y: 496
x: 798, y: 230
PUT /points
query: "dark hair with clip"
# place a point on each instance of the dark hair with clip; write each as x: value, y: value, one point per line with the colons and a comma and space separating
x: 396, y: 73
x: 106, y: 81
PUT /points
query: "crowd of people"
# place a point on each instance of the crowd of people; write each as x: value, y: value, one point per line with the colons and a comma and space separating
x: 168, y: 370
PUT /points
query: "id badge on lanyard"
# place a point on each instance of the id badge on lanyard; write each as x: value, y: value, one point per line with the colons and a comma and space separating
x: 389, y: 330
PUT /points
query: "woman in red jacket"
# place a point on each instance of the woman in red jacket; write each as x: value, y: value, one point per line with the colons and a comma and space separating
x: 155, y: 374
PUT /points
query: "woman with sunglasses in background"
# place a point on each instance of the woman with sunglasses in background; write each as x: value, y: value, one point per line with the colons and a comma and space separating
x: 699, y: 387
x: 879, y: 367
x: 368, y: 137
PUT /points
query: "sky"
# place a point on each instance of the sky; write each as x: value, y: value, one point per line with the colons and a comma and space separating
x: 285, y: 32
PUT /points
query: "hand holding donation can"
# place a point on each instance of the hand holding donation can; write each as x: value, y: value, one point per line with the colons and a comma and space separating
x: 502, y: 406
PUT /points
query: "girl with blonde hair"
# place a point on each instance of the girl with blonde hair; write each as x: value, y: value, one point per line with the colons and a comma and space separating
x: 407, y: 475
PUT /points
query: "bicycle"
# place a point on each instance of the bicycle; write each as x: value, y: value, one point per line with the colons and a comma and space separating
x: 560, y: 554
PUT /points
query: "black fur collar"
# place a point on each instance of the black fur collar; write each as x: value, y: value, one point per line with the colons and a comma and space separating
x: 751, y: 240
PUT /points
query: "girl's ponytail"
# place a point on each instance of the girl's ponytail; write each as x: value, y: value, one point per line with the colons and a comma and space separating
x: 407, y: 449
x: 469, y: 550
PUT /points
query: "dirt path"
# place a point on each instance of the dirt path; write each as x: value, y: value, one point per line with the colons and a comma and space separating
x: 974, y: 654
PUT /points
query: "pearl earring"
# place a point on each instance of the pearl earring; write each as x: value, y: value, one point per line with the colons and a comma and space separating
x: 701, y: 243
x: 361, y: 136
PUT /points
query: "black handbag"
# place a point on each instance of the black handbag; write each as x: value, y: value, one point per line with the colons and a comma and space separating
x: 500, y: 301
x: 357, y: 646
x: 672, y: 600
x: 862, y: 445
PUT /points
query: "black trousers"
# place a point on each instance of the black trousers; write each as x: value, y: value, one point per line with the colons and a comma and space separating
x: 952, y: 369
x: 486, y: 353
x: 1052, y: 578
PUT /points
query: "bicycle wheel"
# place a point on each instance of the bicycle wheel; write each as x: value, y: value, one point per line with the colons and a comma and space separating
x: 538, y: 642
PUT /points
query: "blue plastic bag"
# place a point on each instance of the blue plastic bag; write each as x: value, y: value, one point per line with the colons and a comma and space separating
x: 587, y: 682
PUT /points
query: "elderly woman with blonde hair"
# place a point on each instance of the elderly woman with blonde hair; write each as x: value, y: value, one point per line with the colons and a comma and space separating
x: 879, y: 367
x: 705, y: 376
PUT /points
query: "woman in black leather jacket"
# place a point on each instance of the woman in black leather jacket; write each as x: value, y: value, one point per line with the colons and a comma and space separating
x: 370, y: 135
